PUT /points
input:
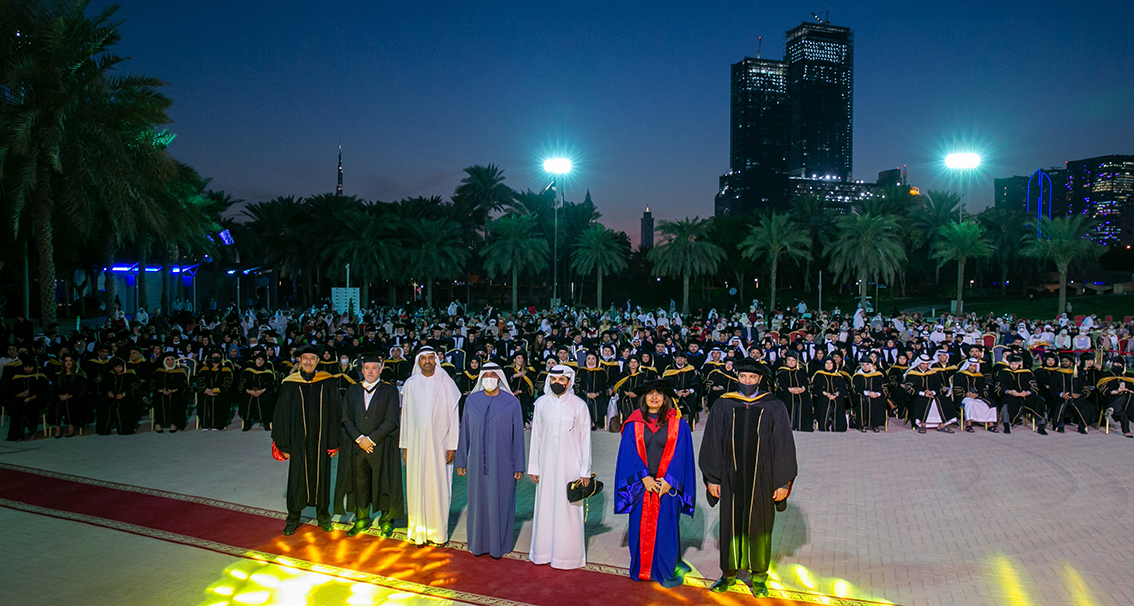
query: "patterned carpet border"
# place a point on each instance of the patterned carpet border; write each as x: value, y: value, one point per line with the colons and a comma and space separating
x: 344, y: 573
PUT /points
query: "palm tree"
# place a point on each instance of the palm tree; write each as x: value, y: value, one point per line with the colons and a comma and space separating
x: 516, y: 246
x: 1006, y: 230
x: 1064, y: 241
x: 868, y: 247
x: 436, y: 252
x: 775, y: 236
x: 685, y: 251
x: 599, y: 250
x: 366, y: 240
x: 960, y: 242
x: 815, y: 215
x: 939, y: 208
x: 481, y: 193
x: 274, y: 226
x: 71, y: 128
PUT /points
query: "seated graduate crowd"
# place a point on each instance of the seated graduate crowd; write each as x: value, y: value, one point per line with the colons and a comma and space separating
x: 833, y: 372
x: 457, y: 390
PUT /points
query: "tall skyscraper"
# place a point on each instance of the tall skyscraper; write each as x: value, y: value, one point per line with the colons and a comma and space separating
x: 1010, y: 193
x: 339, y: 189
x: 820, y: 85
x: 758, y: 141
x: 1103, y: 188
x: 647, y: 240
x: 790, y: 120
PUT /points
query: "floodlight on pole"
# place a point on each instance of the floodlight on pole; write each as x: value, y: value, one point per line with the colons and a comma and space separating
x: 962, y: 161
x: 557, y: 167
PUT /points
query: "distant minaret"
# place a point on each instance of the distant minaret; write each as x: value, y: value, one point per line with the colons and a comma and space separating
x: 647, y: 241
x: 339, y: 189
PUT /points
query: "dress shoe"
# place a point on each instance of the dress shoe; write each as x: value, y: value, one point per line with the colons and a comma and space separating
x: 358, y: 528
x: 722, y: 584
x: 386, y: 529
x: 1083, y: 429
x: 290, y: 529
x: 759, y: 589
x: 1059, y: 429
x: 326, y: 526
x: 1041, y: 431
x: 1007, y: 429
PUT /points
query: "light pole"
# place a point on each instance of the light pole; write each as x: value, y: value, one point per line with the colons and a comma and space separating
x: 557, y: 167
x: 959, y: 163
x: 962, y: 164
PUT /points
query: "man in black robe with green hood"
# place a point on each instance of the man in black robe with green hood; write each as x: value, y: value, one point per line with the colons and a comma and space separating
x: 305, y: 432
x: 748, y: 461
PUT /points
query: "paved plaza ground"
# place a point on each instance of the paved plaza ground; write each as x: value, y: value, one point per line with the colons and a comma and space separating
x: 898, y: 517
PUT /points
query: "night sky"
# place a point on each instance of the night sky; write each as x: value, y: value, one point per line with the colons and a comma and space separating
x: 636, y: 94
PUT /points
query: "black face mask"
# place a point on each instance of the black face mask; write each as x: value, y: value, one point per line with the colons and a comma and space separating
x: 558, y: 388
x: 748, y: 390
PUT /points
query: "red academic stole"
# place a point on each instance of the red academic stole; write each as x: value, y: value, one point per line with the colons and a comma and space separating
x: 651, y: 501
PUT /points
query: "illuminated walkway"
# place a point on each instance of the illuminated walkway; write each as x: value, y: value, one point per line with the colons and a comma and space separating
x: 901, y: 517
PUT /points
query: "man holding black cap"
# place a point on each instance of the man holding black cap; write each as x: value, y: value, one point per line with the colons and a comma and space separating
x: 370, y: 474
x: 748, y: 461
x: 306, y: 429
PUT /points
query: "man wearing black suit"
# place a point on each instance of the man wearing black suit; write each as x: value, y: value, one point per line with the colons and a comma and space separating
x: 370, y: 472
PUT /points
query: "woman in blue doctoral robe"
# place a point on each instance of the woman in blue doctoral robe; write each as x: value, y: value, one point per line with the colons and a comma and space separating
x: 490, y: 453
x: 655, y: 483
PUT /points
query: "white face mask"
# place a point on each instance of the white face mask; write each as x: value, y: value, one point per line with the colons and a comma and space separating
x: 490, y: 383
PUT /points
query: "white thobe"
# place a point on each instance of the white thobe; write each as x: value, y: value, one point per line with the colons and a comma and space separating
x: 560, y: 453
x: 978, y: 411
x: 429, y: 427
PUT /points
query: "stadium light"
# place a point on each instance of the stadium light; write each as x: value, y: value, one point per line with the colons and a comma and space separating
x: 557, y: 166
x: 962, y: 161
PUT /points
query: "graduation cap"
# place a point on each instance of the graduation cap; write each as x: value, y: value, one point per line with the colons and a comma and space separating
x: 1067, y: 357
x: 370, y: 358
x: 116, y: 361
x: 168, y: 354
x: 747, y: 365
x: 1015, y: 357
x: 27, y: 360
x: 660, y: 385
x: 101, y: 347
x: 305, y: 350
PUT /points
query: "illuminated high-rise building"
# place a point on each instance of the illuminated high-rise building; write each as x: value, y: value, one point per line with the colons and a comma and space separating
x: 1103, y: 188
x: 820, y: 85
x: 790, y: 120
x: 647, y: 240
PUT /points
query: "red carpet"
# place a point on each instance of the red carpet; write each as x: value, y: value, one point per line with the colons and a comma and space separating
x: 447, y: 573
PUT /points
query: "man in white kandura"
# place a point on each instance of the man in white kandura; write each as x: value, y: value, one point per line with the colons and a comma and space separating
x: 560, y: 454
x: 429, y: 434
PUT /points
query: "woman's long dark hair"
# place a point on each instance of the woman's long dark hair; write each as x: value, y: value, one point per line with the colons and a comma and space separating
x: 663, y: 412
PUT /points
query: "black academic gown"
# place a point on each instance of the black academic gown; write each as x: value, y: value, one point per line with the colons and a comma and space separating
x: 170, y: 410
x: 686, y: 378
x: 831, y: 414
x: 215, y: 411
x: 74, y: 409
x: 871, y: 412
x: 1118, y: 401
x: 1080, y: 409
x: 1015, y: 406
x: 593, y: 380
x: 307, y: 426
x: 24, y: 414
x: 374, y: 480
x: 800, y: 406
x: 114, y: 411
x: 749, y: 450
x: 257, y: 408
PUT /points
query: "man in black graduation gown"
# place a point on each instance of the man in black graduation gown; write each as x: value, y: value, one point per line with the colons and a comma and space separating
x: 306, y: 428
x: 748, y: 461
x: 370, y: 473
x: 687, y: 386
